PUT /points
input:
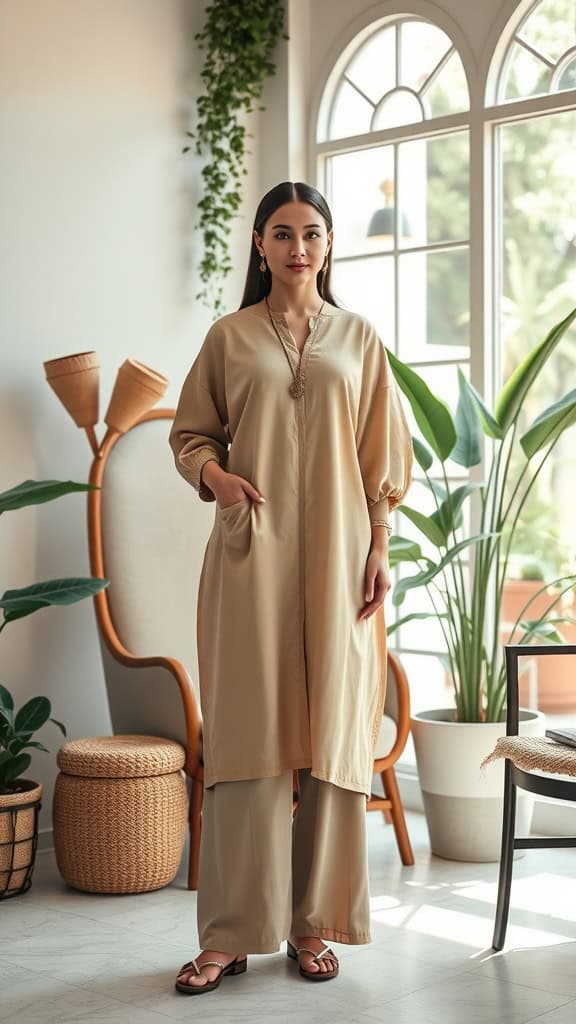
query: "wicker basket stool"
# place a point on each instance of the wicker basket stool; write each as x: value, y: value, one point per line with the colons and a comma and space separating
x: 120, y: 813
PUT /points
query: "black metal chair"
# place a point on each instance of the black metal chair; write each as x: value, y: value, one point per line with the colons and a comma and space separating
x: 537, y: 753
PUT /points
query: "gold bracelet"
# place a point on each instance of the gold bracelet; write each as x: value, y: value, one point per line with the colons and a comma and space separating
x: 381, y: 522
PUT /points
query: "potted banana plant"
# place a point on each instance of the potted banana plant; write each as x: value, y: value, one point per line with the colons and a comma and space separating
x: 464, y: 576
x: 20, y: 797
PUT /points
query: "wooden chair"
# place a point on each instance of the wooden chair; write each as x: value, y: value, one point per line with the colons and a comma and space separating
x: 526, y: 758
x: 147, y: 533
x: 389, y: 747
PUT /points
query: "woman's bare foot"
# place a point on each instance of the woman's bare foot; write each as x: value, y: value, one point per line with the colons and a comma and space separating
x: 326, y: 964
x: 189, y: 976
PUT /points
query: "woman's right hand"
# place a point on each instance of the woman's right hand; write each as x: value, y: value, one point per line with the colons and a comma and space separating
x: 228, y: 488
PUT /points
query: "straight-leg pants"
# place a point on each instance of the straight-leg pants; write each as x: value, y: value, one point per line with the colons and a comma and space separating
x: 264, y: 875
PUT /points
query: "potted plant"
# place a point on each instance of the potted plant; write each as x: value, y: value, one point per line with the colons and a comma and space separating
x: 464, y: 577
x: 20, y: 797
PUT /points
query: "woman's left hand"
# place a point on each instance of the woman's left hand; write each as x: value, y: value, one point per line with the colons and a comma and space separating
x: 377, y: 582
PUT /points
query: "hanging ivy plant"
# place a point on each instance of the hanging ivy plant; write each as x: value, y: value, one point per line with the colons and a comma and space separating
x: 239, y: 39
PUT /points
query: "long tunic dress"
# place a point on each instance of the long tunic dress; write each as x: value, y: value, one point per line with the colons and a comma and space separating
x: 289, y: 677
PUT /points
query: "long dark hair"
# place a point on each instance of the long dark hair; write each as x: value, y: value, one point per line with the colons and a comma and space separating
x: 258, y: 284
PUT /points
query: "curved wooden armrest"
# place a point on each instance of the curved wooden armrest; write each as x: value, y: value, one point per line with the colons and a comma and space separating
x: 403, y: 721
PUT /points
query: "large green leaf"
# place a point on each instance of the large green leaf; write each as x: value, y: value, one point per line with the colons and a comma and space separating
x: 410, y: 618
x: 6, y: 717
x: 402, y: 550
x: 549, y: 424
x: 426, y: 525
x: 421, y: 579
x: 18, y: 603
x: 6, y: 698
x: 33, y: 714
x: 422, y: 455
x: 432, y: 416
x: 490, y: 426
x: 36, y: 492
x: 23, y: 611
x: 15, y: 748
x: 448, y: 516
x: 15, y: 767
x: 468, y: 448
x: 513, y: 393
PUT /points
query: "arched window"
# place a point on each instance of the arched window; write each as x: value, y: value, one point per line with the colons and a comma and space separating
x: 541, y: 55
x: 393, y: 146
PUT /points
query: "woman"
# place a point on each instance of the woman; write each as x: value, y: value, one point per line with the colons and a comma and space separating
x: 290, y: 628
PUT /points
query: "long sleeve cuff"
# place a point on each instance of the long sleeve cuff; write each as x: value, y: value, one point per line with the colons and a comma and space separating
x: 193, y: 463
x: 378, y: 512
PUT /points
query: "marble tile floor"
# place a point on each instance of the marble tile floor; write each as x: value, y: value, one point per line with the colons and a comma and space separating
x: 68, y: 957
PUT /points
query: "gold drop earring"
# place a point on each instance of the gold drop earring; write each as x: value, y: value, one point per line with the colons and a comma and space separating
x: 263, y: 266
x: 325, y: 266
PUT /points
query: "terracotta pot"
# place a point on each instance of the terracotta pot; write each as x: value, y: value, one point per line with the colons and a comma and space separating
x: 75, y: 379
x: 546, y: 683
x: 136, y: 390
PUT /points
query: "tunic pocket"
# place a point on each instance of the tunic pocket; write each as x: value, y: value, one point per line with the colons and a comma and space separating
x: 236, y: 524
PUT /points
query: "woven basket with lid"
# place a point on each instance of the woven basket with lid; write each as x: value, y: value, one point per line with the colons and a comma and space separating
x: 120, y: 812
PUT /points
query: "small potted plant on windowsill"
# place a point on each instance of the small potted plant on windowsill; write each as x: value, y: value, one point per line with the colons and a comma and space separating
x: 465, y: 582
x: 20, y: 797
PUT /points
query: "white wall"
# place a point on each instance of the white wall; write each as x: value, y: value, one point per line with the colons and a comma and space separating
x: 96, y: 251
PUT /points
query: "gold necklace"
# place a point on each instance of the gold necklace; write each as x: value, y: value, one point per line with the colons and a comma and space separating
x: 296, y: 389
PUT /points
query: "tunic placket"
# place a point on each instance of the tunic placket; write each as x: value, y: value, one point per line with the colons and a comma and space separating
x: 298, y: 361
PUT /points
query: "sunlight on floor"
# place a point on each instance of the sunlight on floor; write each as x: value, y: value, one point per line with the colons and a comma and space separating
x: 474, y: 930
x: 542, y: 893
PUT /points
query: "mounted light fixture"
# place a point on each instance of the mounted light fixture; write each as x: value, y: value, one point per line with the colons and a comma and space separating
x: 381, y: 226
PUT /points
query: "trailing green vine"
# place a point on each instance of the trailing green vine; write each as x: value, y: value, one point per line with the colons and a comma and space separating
x: 239, y: 39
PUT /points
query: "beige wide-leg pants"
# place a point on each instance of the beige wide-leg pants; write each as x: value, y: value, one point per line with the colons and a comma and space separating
x: 263, y: 876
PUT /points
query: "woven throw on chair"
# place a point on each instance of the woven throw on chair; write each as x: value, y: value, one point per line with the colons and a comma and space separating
x: 534, y: 754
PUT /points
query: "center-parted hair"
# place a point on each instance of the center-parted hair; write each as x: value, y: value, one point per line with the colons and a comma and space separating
x: 258, y: 284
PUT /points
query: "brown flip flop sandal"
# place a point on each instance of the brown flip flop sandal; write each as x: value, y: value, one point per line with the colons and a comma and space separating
x: 234, y: 967
x: 294, y: 954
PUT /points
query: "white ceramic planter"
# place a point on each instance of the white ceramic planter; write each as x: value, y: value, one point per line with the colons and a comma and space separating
x: 463, y: 804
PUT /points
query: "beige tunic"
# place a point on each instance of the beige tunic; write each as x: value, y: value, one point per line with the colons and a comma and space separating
x: 288, y: 675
